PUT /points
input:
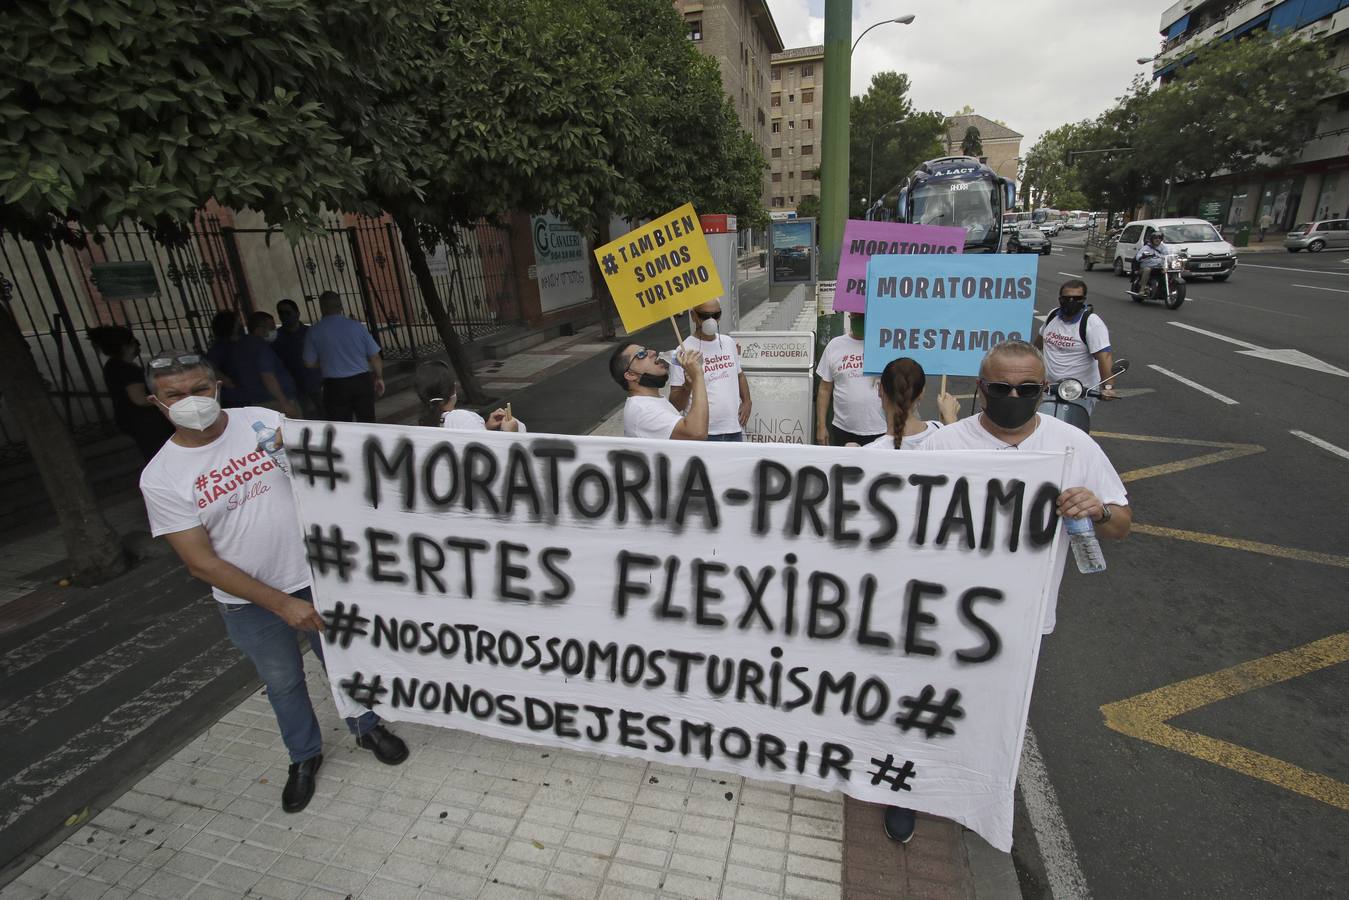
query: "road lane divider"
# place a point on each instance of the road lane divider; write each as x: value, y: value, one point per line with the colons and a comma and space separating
x: 1231, y: 543
x: 1222, y: 398
x: 1324, y: 445
x: 1312, y: 287
x: 1247, y: 265
x: 1287, y: 356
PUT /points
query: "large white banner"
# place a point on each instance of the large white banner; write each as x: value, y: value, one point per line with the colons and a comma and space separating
x: 842, y: 619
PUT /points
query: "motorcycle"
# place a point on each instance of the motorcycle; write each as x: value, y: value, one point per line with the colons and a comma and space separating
x: 1064, y: 395
x: 1165, y: 283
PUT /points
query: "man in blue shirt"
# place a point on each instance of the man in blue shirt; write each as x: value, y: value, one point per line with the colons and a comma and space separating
x: 348, y: 358
x: 260, y: 378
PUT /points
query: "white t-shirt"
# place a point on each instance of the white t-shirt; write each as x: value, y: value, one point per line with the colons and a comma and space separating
x: 468, y: 420
x: 1065, y: 354
x: 240, y: 494
x: 649, y: 417
x: 721, y: 374
x: 1090, y: 468
x: 911, y: 441
x: 857, y: 406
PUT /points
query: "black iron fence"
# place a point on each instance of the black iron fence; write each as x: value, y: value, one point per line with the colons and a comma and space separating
x: 53, y: 293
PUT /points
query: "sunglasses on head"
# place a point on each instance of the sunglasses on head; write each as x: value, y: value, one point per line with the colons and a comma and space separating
x: 996, y: 390
x: 181, y: 359
x: 715, y: 315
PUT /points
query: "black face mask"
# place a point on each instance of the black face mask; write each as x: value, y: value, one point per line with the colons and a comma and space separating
x: 1011, y: 412
x: 1070, y: 308
x: 647, y: 380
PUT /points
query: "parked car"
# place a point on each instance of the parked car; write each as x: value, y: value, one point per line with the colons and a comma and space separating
x: 1050, y: 228
x: 1317, y: 236
x: 1029, y: 239
x: 1206, y: 254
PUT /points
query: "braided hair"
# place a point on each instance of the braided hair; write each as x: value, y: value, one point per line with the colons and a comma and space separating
x: 434, y: 383
x: 903, y: 381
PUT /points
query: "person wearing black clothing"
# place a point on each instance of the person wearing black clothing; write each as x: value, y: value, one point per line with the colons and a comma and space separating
x: 132, y: 411
x: 289, y: 345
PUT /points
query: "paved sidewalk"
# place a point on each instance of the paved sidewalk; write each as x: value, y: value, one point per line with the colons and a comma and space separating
x: 471, y: 817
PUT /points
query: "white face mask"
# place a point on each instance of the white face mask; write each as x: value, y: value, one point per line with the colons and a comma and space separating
x: 196, y: 413
x: 709, y: 327
x: 269, y: 336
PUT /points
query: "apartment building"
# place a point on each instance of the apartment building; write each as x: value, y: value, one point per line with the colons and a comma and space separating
x: 1002, y: 145
x: 796, y: 98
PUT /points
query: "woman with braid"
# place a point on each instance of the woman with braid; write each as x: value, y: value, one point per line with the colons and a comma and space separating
x: 901, y: 390
x: 439, y: 393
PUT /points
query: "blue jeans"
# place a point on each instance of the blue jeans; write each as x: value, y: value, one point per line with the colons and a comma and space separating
x: 733, y: 437
x: 270, y: 644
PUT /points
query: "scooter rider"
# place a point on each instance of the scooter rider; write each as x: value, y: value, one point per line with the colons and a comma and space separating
x: 1150, y: 258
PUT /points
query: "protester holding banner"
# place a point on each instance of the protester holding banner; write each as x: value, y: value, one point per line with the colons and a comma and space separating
x: 220, y: 492
x: 1076, y: 343
x: 642, y: 373
x: 858, y: 415
x: 1011, y: 385
x: 728, y: 400
x: 901, y: 391
x: 439, y: 393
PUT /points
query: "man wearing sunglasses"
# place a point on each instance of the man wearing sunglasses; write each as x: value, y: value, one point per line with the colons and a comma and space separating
x: 728, y: 403
x: 642, y: 373
x: 219, y: 493
x: 1011, y: 386
x: 1076, y: 343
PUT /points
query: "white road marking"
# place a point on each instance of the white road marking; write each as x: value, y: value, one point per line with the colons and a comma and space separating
x: 1324, y: 445
x: 1071, y: 274
x: 1296, y: 358
x: 1312, y: 287
x: 1270, y: 312
x: 1247, y: 265
x: 1194, y: 384
x: 1066, y: 881
x: 1213, y: 334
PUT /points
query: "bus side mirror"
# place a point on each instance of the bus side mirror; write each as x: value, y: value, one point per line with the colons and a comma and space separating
x: 902, y: 209
x: 1009, y: 189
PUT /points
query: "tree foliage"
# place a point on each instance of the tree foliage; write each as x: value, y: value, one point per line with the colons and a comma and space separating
x: 899, y: 148
x: 972, y: 144
x: 809, y: 207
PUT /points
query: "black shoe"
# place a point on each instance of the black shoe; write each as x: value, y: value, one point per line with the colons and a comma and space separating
x: 899, y: 823
x: 387, y: 746
x: 299, y: 788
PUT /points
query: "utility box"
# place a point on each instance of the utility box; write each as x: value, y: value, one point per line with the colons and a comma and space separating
x: 723, y: 241
x: 779, y: 366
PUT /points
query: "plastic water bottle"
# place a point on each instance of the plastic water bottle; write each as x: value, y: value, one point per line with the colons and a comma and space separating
x: 269, y: 442
x: 1086, y: 548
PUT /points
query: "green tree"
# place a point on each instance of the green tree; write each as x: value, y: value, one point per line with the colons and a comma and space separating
x: 972, y: 144
x: 1046, y: 166
x: 809, y: 207
x: 903, y: 138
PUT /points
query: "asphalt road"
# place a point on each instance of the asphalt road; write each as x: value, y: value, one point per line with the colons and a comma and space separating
x: 1251, y: 796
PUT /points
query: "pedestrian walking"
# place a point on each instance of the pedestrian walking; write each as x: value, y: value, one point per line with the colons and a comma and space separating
x: 728, y: 399
x: 1076, y: 343
x: 348, y: 358
x: 289, y: 346
x: 218, y: 492
x: 858, y: 417
x: 646, y: 414
x: 438, y: 390
x: 132, y: 410
x: 1266, y: 223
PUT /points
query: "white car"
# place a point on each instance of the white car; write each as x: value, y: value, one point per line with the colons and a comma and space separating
x: 1205, y: 252
x: 1050, y: 228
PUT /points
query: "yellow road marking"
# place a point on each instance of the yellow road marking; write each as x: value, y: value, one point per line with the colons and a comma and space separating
x: 1230, y: 543
x: 1145, y: 717
x: 1226, y: 451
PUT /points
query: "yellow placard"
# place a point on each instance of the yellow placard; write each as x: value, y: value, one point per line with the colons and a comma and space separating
x: 660, y: 269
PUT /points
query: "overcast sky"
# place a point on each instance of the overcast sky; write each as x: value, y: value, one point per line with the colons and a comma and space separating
x: 1034, y: 64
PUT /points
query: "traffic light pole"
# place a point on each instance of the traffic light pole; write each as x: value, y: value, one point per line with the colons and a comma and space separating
x: 835, y: 138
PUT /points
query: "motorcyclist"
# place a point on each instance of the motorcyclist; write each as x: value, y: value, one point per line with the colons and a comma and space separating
x: 1149, y: 259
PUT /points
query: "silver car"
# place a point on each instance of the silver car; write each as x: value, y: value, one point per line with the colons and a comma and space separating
x: 1317, y: 236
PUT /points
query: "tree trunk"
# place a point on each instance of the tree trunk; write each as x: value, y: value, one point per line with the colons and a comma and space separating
x: 94, y: 548
x: 470, y: 390
x: 604, y: 301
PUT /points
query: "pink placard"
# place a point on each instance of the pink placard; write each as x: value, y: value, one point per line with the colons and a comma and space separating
x: 863, y: 240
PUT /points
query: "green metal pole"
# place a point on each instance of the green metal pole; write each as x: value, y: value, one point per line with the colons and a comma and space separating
x: 834, y: 146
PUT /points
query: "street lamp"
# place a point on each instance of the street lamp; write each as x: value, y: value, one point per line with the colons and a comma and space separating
x: 871, y: 164
x: 902, y: 20
x: 1144, y: 60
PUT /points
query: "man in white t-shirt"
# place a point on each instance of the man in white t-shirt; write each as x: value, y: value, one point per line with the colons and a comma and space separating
x: 858, y: 415
x: 219, y: 492
x: 1066, y: 354
x: 728, y: 402
x: 1011, y: 385
x: 642, y: 373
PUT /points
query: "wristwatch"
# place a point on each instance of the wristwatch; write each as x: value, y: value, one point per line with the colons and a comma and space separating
x: 1105, y: 514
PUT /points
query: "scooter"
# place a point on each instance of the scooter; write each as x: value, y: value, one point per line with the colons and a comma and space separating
x: 1165, y: 283
x: 1063, y: 396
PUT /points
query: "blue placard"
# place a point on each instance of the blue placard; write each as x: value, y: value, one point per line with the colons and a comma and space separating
x: 946, y: 311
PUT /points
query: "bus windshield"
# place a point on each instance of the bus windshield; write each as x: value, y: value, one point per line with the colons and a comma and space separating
x: 970, y: 205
